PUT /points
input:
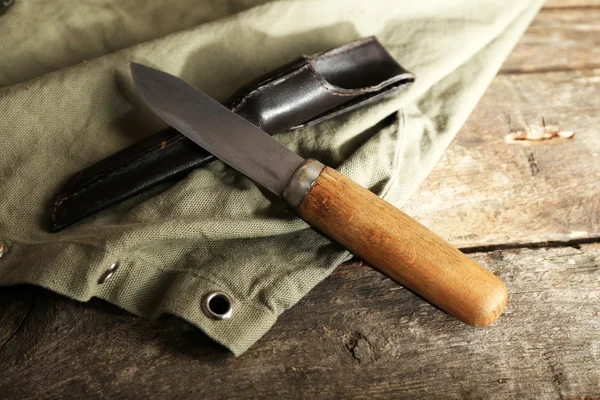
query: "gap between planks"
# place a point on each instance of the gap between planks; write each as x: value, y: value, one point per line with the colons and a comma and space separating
x: 558, y: 39
x: 576, y: 243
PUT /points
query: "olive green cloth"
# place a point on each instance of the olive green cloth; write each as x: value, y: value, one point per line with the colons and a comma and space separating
x: 67, y: 101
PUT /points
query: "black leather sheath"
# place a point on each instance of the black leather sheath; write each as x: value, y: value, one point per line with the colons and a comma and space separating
x: 303, y: 92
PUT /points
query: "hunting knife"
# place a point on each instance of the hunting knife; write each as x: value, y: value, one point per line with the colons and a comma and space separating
x: 370, y: 228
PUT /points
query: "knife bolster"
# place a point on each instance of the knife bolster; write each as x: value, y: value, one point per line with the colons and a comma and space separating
x: 301, y: 182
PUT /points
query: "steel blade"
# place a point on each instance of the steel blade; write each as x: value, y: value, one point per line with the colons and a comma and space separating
x: 217, y: 129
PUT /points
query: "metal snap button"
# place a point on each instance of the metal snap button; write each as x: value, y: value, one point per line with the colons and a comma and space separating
x: 108, y: 273
x: 217, y: 305
x: 1, y: 249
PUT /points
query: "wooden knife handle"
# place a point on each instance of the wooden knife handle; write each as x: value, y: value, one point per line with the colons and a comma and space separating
x: 395, y: 244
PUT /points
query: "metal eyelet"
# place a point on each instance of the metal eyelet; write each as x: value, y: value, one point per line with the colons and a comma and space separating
x: 217, y: 305
x: 108, y: 273
x: 2, y: 248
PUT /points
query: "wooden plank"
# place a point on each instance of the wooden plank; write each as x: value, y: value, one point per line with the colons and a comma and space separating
x: 558, y: 39
x: 356, y: 335
x: 485, y: 191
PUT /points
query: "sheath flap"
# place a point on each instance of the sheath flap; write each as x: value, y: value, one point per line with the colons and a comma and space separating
x: 301, y: 93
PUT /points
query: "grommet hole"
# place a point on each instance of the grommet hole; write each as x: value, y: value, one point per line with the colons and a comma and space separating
x: 218, y: 305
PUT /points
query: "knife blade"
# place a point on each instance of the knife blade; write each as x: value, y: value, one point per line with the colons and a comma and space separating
x: 252, y: 153
x: 366, y: 225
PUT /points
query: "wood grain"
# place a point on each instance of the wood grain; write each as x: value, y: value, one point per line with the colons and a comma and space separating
x: 485, y: 191
x: 357, y: 335
x: 558, y: 40
x: 402, y: 249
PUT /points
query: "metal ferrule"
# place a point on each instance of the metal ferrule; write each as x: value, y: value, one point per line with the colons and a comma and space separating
x: 301, y: 182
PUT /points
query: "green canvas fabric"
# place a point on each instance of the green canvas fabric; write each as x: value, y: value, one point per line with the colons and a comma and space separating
x: 67, y: 100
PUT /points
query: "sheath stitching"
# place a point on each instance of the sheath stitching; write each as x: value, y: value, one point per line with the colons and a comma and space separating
x: 284, y: 79
x: 357, y: 92
x: 237, y: 105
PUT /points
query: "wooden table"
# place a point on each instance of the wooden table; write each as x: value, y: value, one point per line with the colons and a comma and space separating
x: 530, y: 213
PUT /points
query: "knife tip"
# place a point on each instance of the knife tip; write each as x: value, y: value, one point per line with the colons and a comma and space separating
x: 136, y: 67
x: 141, y: 73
